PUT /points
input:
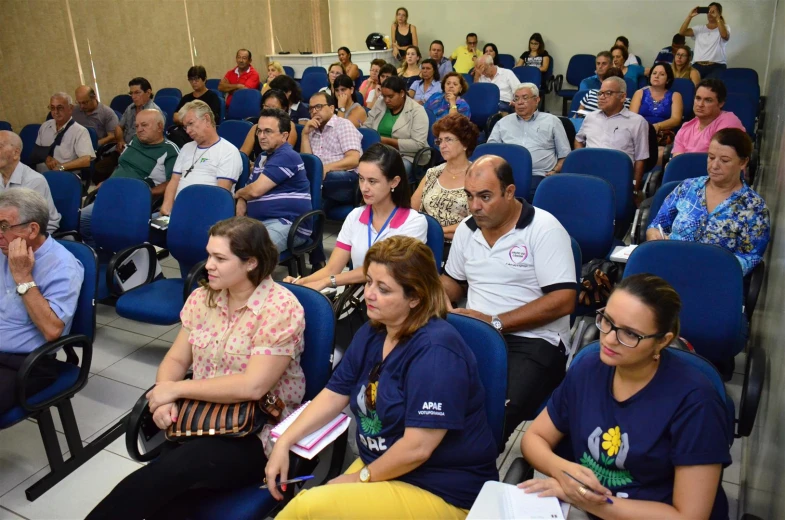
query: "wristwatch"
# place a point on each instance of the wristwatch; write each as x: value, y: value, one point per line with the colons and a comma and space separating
x: 342, y: 110
x: 61, y: 168
x: 497, y: 323
x: 333, y: 283
x: 22, y: 288
x: 365, y: 474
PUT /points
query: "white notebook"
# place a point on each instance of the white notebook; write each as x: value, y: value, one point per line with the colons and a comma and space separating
x: 310, y: 445
x: 501, y: 501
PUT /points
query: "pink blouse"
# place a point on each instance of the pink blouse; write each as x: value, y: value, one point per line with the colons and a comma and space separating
x: 271, y: 323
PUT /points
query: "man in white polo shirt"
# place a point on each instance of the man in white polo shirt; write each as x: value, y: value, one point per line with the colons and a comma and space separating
x: 517, y: 262
x: 503, y: 78
x: 207, y: 159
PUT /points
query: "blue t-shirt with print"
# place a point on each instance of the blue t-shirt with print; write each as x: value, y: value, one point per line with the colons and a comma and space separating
x: 633, y: 446
x: 428, y: 381
x: 291, y: 196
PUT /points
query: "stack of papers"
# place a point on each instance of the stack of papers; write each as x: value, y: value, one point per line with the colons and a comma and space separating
x: 622, y: 254
x: 310, y: 445
x: 505, y: 501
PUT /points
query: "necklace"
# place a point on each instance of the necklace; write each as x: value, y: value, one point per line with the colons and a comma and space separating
x: 194, y: 159
x: 455, y: 175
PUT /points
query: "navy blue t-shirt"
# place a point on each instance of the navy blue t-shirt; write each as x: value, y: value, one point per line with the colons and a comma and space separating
x: 633, y: 447
x: 429, y: 381
x: 291, y: 196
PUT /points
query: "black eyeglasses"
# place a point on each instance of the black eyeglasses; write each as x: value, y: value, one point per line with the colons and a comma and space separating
x: 370, y: 389
x: 626, y: 337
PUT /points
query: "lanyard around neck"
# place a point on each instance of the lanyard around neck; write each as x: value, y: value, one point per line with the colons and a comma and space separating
x: 384, y: 226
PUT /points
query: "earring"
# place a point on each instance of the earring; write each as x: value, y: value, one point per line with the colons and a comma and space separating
x: 392, y: 190
x: 656, y: 357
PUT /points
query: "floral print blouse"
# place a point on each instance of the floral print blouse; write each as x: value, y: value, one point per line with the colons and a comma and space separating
x: 271, y: 323
x: 740, y: 223
x: 448, y: 206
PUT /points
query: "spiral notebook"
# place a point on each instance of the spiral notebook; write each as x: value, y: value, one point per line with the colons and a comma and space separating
x: 312, y: 444
x: 501, y: 501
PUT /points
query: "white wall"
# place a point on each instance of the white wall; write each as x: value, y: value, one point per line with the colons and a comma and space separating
x: 568, y: 26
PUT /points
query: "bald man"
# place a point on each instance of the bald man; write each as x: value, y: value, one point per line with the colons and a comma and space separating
x: 62, y: 143
x: 517, y: 263
x: 91, y: 113
x: 17, y: 175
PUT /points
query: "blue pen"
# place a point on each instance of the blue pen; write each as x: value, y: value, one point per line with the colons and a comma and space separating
x: 290, y: 481
x: 608, y: 500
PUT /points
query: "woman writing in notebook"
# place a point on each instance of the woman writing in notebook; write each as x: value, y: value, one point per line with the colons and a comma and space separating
x: 413, y: 385
x: 242, y: 334
x: 648, y: 432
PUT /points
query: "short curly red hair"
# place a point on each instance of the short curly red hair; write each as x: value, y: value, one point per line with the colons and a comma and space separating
x: 461, y: 127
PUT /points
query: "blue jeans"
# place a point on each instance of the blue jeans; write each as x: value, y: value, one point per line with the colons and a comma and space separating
x: 85, y: 228
x: 279, y: 233
x: 504, y: 106
x: 709, y: 71
x: 339, y: 187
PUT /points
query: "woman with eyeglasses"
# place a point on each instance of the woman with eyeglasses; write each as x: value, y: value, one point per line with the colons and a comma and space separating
x: 682, y: 68
x: 647, y: 433
x: 197, y: 76
x: 413, y: 385
x: 440, y: 193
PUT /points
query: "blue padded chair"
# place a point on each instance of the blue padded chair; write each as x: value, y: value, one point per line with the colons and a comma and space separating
x: 685, y: 166
x: 93, y: 137
x: 749, y: 75
x: 591, y: 225
x: 120, y: 102
x: 469, y: 78
x: 299, y: 128
x: 242, y: 181
x: 213, y: 83
x: 195, y: 210
x: 313, y: 83
x: 370, y: 137
x: 519, y: 158
x: 709, y: 280
x: 435, y: 240
x: 289, y: 71
x: 168, y: 104
x: 314, y: 70
x: 28, y: 135
x: 646, y: 213
x: 528, y: 75
x: 490, y: 350
x: 686, y: 88
x: 5, y: 125
x: 580, y: 67
x: 66, y: 189
x: 235, y: 131
x: 72, y: 377
x: 222, y: 115
x: 358, y: 82
x: 613, y: 166
x: 483, y: 100
x: 745, y: 109
x: 575, y: 104
x: 507, y: 61
x: 245, y: 103
x: 742, y: 86
x: 169, y: 91
x: 632, y: 86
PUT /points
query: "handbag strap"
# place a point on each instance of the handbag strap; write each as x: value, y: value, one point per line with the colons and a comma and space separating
x: 224, y: 411
x: 236, y: 417
x: 206, y: 409
x: 214, y: 417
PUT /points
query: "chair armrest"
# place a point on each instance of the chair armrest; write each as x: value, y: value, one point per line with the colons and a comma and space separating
x: 156, y: 204
x: 751, y: 390
x: 139, y: 421
x: 756, y: 282
x: 118, y: 258
x: 653, y: 182
x: 67, y: 343
x: 63, y: 234
x: 666, y: 156
x: 103, y: 149
x: 192, y: 278
x: 418, y: 157
x: 519, y: 471
x: 318, y: 227
x: 641, y: 216
x: 558, y: 82
x: 90, y: 198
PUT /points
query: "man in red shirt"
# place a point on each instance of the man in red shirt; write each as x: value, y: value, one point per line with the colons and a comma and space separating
x: 243, y: 76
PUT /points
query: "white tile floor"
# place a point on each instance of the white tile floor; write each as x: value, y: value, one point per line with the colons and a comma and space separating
x: 125, y: 360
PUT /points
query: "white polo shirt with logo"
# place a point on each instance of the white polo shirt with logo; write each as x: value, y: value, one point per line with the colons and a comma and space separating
x: 196, y: 165
x: 532, y: 259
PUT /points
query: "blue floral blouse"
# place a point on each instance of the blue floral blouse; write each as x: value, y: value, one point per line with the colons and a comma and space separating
x: 740, y: 223
x: 440, y: 107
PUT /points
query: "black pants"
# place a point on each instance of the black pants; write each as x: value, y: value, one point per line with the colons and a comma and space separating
x: 173, y: 484
x: 43, y: 374
x: 535, y: 369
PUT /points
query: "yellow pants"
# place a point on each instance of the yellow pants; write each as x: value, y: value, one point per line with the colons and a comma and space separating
x: 378, y: 500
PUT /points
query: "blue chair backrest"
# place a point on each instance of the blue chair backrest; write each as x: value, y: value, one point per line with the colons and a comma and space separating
x: 742, y: 86
x: 299, y: 128
x: 5, y: 125
x: 745, y: 109
x: 84, y: 317
x: 169, y: 105
x: 469, y: 78
x: 245, y: 103
x: 358, y: 82
x: 222, y: 104
x: 577, y: 258
x: 213, y: 83
x: 370, y: 137
x: 632, y: 86
x: 435, y: 240
x: 519, y: 158
x: 507, y: 61
x: 315, y: 171
x: 591, y: 225
x: 613, y: 166
x: 659, y: 197
x: 195, y: 210
x: 28, y: 136
x: 66, y: 189
x: 749, y: 75
x: 580, y: 67
x: 686, y: 88
x: 483, y: 100
x: 121, y: 214
x: 575, y: 104
x: 121, y: 102
x: 548, y: 73
x: 318, y: 338
x: 246, y: 173
x: 169, y: 91
x: 432, y: 121
x: 490, y: 350
x: 235, y: 131
x: 528, y: 75
x: 685, y: 166
x: 708, y: 279
x: 313, y: 83
x: 289, y: 71
x: 93, y: 137
x: 314, y: 70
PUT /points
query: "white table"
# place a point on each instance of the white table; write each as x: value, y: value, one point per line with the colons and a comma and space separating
x: 299, y: 62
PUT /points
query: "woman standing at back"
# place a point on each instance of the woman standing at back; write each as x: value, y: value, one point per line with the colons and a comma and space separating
x: 404, y: 34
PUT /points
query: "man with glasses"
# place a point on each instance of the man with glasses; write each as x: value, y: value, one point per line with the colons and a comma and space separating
x: 240, y: 77
x: 614, y: 126
x: 62, y: 143
x: 208, y: 159
x: 517, y: 264
x: 337, y: 142
x: 40, y: 282
x: 539, y: 132
x: 464, y: 56
x: 278, y: 190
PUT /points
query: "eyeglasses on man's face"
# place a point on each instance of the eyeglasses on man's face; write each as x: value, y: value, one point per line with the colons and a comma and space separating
x: 5, y: 227
x: 607, y: 93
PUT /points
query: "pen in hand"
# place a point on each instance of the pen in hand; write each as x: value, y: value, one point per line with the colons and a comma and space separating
x: 607, y: 500
x: 290, y: 481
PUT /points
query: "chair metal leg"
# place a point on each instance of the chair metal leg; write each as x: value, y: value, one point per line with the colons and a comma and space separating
x: 49, y: 437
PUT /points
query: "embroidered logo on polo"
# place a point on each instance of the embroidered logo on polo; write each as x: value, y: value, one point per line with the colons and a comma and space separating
x: 369, y: 423
x: 519, y: 253
x: 607, y: 455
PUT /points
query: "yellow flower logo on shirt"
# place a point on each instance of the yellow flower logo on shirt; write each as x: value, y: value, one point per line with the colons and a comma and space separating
x: 611, y: 441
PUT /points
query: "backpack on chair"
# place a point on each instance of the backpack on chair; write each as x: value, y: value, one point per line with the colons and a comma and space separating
x: 598, y: 277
